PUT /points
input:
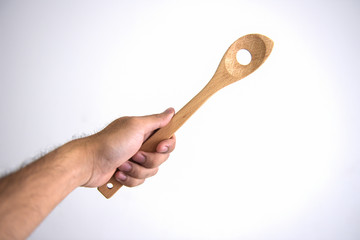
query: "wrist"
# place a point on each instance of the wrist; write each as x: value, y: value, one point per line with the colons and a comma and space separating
x: 76, y: 158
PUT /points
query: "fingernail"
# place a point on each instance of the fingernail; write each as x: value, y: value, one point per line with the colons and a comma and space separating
x: 169, y: 110
x: 139, y: 158
x: 126, y: 167
x: 164, y: 149
x: 122, y: 176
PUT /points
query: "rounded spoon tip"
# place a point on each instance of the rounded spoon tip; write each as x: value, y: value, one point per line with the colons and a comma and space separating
x: 259, y: 46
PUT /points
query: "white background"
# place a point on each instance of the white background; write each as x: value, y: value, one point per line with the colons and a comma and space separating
x: 274, y: 156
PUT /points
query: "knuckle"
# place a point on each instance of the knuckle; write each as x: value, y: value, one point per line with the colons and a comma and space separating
x: 134, y: 182
x: 133, y: 121
x: 151, y: 173
x: 128, y: 121
x: 152, y: 164
x: 130, y: 184
x: 155, y: 171
x: 137, y: 172
x: 122, y: 120
x: 140, y: 172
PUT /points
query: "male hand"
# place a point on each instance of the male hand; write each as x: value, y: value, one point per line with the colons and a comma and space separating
x: 111, y: 149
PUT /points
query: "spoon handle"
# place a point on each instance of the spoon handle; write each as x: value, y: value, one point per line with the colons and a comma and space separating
x: 110, y: 188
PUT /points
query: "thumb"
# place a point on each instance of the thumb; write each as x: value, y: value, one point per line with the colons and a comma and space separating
x: 155, y: 121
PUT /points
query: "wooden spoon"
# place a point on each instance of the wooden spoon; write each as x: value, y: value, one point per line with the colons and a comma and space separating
x: 228, y: 71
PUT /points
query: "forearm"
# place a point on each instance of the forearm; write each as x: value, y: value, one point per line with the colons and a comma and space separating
x: 28, y: 195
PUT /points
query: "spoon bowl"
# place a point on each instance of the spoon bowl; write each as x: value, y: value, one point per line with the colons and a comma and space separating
x: 230, y: 70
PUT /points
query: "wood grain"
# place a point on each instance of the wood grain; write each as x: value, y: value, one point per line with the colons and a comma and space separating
x: 228, y: 71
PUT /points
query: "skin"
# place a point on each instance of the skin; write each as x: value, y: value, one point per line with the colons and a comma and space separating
x: 28, y: 195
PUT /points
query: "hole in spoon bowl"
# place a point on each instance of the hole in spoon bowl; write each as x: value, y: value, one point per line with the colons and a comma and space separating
x: 243, y: 57
x: 109, y: 185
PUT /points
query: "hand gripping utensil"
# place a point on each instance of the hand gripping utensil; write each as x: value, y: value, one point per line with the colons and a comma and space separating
x: 228, y: 71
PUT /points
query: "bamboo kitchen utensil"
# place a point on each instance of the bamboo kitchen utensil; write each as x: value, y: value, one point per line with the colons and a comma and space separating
x: 228, y: 71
